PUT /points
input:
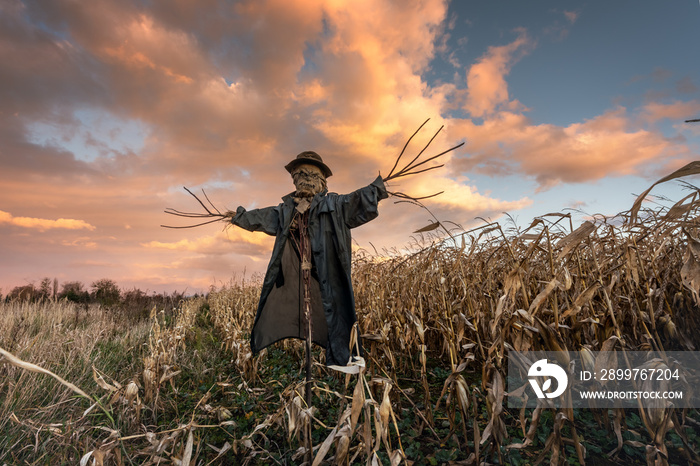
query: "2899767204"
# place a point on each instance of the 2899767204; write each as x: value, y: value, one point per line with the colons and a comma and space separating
x: 607, y: 375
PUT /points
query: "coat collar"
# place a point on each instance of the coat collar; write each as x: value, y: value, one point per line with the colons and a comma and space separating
x: 288, y: 200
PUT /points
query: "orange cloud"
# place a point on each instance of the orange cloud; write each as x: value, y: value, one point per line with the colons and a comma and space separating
x: 487, y: 87
x: 655, y: 111
x: 82, y: 242
x: 42, y: 224
x: 220, y: 243
x: 462, y: 197
x: 369, y: 73
x: 600, y: 147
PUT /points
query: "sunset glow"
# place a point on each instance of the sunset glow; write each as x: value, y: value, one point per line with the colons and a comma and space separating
x: 110, y: 107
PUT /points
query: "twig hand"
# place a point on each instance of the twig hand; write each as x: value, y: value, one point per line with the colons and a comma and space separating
x: 410, y: 167
x: 213, y: 214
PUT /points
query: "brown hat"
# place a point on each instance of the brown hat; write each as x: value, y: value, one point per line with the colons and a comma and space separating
x: 311, y: 158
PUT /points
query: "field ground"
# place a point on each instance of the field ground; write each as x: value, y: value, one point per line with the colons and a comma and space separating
x: 236, y: 418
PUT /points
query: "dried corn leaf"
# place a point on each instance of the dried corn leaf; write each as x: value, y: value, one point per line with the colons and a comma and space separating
x: 632, y: 271
x: 690, y: 271
x: 431, y: 227
x: 571, y: 240
x: 543, y: 295
x: 396, y: 458
x: 385, y: 407
x: 617, y: 427
x: 99, y: 380
x: 342, y: 447
x: 84, y: 460
x: 495, y: 427
x: 220, y: 451
x: 325, y: 447
x: 15, y: 361
x: 552, y: 339
x: 693, y: 168
x: 358, y: 401
x: 582, y: 299
x: 187, y: 455
x: 607, y: 357
x: 681, y: 208
x: 378, y: 428
x: 462, y: 393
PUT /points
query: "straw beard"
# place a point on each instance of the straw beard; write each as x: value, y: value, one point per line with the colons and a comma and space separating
x: 306, y: 188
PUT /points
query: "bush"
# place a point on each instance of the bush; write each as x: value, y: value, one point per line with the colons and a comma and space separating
x: 75, y: 292
x: 106, y: 292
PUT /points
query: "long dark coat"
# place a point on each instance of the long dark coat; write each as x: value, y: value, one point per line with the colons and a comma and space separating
x: 331, y: 216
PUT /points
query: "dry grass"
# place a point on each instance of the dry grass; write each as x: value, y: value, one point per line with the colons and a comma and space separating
x: 68, y: 339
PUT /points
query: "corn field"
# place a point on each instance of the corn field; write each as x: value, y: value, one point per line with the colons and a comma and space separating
x: 601, y: 286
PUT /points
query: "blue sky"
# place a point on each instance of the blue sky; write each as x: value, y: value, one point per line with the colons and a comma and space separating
x: 110, y: 107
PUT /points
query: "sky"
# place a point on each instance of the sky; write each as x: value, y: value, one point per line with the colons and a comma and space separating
x: 109, y: 107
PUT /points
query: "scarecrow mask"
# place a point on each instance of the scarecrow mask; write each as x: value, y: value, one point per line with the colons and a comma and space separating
x: 309, y: 180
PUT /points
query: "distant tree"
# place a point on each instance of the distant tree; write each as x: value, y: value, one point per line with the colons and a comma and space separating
x: 136, y: 304
x: 74, y: 291
x: 136, y: 296
x: 45, y: 291
x: 24, y: 293
x: 105, y: 292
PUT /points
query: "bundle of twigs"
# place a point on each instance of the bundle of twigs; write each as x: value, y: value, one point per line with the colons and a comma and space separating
x: 213, y: 216
x: 410, y: 168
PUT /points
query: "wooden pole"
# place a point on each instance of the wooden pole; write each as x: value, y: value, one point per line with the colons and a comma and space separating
x: 305, y: 253
x: 305, y: 264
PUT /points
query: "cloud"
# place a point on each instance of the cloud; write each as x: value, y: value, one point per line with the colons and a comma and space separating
x: 581, y: 152
x: 42, y: 224
x: 507, y: 142
x: 233, y: 239
x: 660, y: 74
x: 458, y: 197
x: 686, y: 85
x: 572, y: 16
x: 654, y: 112
x: 82, y: 242
x: 487, y: 89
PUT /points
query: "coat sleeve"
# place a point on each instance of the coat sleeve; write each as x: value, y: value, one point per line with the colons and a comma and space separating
x: 359, y: 207
x: 265, y: 219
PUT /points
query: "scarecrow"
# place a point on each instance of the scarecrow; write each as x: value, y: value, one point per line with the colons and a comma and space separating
x: 307, y: 291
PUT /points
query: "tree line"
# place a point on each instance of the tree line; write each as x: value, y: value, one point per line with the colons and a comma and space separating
x: 104, y: 292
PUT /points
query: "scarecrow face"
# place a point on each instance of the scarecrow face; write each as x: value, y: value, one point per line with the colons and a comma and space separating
x: 309, y: 180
